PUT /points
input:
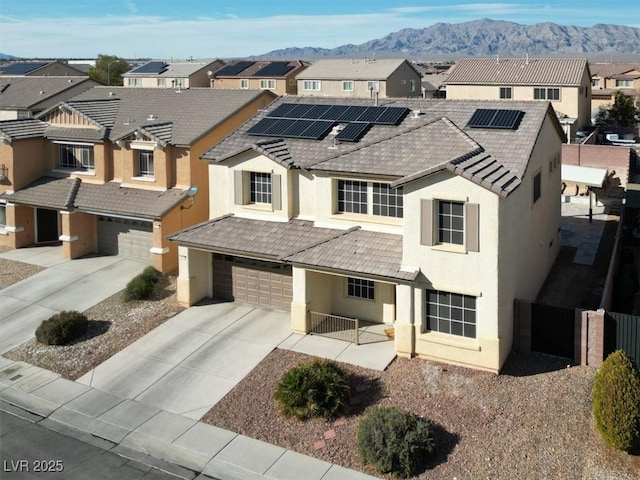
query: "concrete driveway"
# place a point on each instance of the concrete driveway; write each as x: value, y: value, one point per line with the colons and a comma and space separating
x: 64, y: 285
x: 187, y: 364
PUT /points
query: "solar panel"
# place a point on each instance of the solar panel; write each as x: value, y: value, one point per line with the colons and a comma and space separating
x: 262, y: 126
x: 370, y: 114
x: 317, y: 111
x: 493, y: 118
x: 235, y: 69
x: 282, y: 110
x: 274, y: 69
x: 296, y: 128
x: 317, y: 130
x: 351, y: 114
x: 353, y: 132
x: 391, y: 116
x: 150, y: 67
x: 299, y: 110
x: 21, y: 68
x: 334, y: 112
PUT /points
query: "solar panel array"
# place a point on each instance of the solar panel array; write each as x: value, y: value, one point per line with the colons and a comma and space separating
x: 274, y: 69
x: 310, y: 121
x: 21, y: 68
x: 493, y: 118
x: 235, y: 69
x: 151, y: 67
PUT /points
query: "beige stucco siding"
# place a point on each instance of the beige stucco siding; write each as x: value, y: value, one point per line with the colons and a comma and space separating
x: 404, y: 82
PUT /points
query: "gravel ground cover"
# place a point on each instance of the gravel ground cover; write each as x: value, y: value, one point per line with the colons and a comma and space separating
x: 12, y: 272
x: 531, y: 422
x: 113, y: 325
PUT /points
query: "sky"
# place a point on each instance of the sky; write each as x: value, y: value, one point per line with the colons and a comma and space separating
x: 198, y: 29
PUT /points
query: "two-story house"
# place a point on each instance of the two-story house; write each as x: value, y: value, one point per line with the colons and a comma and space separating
x: 161, y: 74
x: 430, y: 216
x: 608, y: 78
x: 378, y: 78
x: 116, y: 169
x: 565, y: 82
x: 277, y: 76
x: 24, y: 97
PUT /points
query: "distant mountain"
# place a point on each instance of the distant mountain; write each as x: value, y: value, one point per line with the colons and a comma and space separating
x: 485, y: 38
x: 5, y: 56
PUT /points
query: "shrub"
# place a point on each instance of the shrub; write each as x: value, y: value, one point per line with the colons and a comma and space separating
x: 140, y: 287
x: 395, y: 441
x: 62, y: 328
x: 316, y: 389
x: 616, y: 402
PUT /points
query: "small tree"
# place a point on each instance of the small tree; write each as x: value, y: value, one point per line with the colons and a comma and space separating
x: 108, y: 69
x: 621, y: 114
x: 616, y: 402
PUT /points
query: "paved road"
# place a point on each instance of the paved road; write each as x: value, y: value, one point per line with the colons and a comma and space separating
x: 31, y: 451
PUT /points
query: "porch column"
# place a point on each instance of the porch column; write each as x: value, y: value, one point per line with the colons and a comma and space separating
x: 20, y: 225
x: 79, y: 234
x: 299, y: 305
x: 195, y: 275
x: 405, y: 336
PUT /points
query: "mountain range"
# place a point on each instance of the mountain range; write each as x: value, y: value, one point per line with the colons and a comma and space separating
x: 485, y: 37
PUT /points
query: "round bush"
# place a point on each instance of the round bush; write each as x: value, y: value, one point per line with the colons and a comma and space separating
x: 62, y: 328
x: 140, y: 287
x: 395, y: 441
x: 316, y: 389
x: 616, y: 402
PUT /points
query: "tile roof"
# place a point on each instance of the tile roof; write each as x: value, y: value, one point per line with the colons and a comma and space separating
x: 175, y: 69
x: 19, y: 129
x: 607, y: 70
x: 107, y: 198
x: 518, y: 71
x: 256, y: 66
x: 75, y: 134
x: 299, y: 242
x: 345, y: 69
x: 435, y: 139
x: 25, y: 92
x: 192, y: 112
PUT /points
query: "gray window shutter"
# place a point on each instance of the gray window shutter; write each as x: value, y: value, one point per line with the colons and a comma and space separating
x: 276, y: 191
x: 471, y: 227
x: 238, y: 184
x: 426, y: 222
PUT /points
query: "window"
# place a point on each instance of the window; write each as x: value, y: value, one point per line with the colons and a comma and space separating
x: 145, y: 163
x: 352, y: 196
x: 595, y: 82
x: 546, y: 94
x: 3, y: 215
x: 506, y: 93
x: 161, y: 82
x: 134, y: 82
x: 360, y: 288
x: 347, y: 86
x: 412, y: 84
x: 244, y: 83
x: 387, y: 201
x: 451, y: 313
x: 311, y: 85
x: 537, y: 187
x: 451, y: 222
x: 624, y: 83
x: 267, y: 84
x: 373, y: 86
x: 178, y: 83
x: 76, y: 156
x: 260, y: 187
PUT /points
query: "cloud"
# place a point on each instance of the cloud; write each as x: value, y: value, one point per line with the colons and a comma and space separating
x: 132, y: 7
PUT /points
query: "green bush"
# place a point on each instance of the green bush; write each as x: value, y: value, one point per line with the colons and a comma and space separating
x: 316, y: 389
x: 616, y: 402
x: 62, y: 328
x: 141, y: 286
x: 395, y: 441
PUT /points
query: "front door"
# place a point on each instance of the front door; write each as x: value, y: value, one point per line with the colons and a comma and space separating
x: 46, y: 225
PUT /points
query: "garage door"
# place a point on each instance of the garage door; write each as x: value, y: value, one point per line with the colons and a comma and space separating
x: 267, y: 284
x: 129, y: 238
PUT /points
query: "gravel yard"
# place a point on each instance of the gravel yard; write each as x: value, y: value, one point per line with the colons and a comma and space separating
x: 533, y: 421
x: 12, y: 272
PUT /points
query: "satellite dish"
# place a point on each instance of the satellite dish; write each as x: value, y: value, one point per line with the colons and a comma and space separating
x: 191, y: 192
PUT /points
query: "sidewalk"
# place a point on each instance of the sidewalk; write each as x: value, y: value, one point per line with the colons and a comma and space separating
x: 179, y: 445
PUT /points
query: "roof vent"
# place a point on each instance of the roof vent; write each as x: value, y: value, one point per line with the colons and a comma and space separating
x: 416, y: 113
x: 41, y: 92
x: 336, y: 130
x: 151, y: 117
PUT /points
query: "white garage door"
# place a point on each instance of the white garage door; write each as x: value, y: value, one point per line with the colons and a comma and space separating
x: 122, y: 236
x: 267, y: 284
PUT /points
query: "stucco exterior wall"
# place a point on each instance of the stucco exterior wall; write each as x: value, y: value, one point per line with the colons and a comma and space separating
x: 404, y: 82
x: 79, y: 234
x: 25, y: 161
x: 195, y: 280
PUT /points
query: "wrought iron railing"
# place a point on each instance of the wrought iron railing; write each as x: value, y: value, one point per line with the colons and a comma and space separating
x: 335, y: 326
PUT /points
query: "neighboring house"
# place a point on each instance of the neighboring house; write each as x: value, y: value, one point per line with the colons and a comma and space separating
x: 431, y: 216
x: 565, y: 82
x: 161, y: 74
x: 115, y: 170
x: 360, y: 78
x: 24, y: 97
x: 608, y: 78
x: 433, y: 85
x: 277, y: 76
x: 39, y: 69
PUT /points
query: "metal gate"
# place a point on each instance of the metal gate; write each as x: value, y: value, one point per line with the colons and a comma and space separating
x: 622, y: 332
x: 553, y: 330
